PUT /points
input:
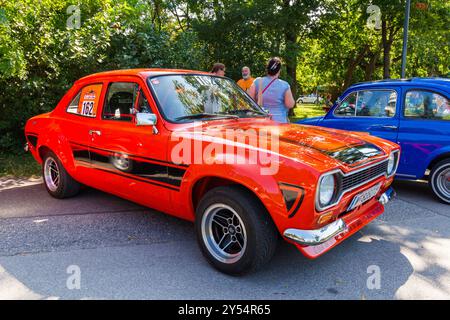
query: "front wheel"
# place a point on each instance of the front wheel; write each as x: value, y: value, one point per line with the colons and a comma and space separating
x: 234, y: 230
x: 440, y: 180
x: 58, y: 182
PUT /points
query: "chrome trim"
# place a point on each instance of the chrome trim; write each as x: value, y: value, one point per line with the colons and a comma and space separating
x: 343, y: 192
x: 318, y: 236
x: 397, y: 160
x: 406, y: 175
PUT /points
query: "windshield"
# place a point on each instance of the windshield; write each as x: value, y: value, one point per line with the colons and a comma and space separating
x: 184, y: 98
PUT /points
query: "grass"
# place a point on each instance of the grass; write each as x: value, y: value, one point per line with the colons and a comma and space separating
x: 307, y: 110
x: 20, y: 165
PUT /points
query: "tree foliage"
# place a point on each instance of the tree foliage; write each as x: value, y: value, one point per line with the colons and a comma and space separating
x: 324, y: 44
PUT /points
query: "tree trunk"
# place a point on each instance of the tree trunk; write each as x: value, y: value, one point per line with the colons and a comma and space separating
x: 291, y: 60
x: 351, y: 66
x: 387, y: 35
x: 371, y: 66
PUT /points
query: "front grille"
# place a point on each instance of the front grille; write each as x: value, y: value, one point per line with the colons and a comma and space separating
x: 358, y: 178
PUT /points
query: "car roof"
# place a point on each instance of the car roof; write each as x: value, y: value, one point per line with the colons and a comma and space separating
x: 143, y: 73
x: 440, y: 82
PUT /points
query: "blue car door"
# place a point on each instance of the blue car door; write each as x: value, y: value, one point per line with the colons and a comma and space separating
x: 424, y: 129
x: 370, y: 110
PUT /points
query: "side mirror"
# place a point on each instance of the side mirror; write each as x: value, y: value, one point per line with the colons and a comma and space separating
x: 147, y: 119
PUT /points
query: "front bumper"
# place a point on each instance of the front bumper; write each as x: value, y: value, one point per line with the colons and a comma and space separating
x: 318, y: 236
x: 328, y: 232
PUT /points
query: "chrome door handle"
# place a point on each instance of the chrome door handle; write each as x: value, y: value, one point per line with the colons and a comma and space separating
x: 390, y: 127
x: 96, y: 132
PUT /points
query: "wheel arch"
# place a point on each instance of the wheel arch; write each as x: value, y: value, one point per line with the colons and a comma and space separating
x: 270, y: 202
x: 60, y: 147
x: 439, y: 158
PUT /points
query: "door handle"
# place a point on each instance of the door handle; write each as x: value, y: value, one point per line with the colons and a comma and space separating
x: 390, y: 127
x: 96, y: 132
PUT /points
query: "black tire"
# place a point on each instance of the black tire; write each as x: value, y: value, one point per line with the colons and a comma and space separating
x: 66, y: 186
x: 261, y: 233
x: 439, y: 172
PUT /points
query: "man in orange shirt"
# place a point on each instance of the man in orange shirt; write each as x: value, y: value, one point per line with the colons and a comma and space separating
x: 246, y: 82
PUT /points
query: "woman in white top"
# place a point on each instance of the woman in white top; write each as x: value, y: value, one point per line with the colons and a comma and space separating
x: 272, y: 93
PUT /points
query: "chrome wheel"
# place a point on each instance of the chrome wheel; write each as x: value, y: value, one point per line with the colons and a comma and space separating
x: 443, y: 183
x: 224, y: 233
x: 51, y: 174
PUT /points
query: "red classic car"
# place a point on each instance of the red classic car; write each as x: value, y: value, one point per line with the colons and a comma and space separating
x: 196, y: 146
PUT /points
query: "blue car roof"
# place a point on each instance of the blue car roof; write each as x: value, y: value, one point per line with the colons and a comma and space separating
x: 441, y: 82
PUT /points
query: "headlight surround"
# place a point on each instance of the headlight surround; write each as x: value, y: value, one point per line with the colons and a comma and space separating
x: 392, y: 163
x: 327, y: 190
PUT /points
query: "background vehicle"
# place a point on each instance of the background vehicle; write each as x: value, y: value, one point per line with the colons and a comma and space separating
x: 146, y: 135
x: 310, y: 98
x: 414, y: 113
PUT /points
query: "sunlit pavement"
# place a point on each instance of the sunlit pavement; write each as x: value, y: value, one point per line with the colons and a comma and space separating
x: 126, y: 251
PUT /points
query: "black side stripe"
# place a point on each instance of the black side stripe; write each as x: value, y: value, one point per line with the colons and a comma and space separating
x: 131, y: 167
x: 138, y: 179
x: 132, y: 155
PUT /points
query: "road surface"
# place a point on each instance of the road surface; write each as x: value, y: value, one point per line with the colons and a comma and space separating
x: 97, y: 246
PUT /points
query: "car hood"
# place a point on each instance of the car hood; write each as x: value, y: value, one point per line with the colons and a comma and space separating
x: 294, y: 140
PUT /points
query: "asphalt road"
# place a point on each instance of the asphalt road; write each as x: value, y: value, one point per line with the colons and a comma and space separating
x: 125, y: 251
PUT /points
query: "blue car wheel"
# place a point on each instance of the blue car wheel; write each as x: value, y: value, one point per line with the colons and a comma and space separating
x: 440, y: 180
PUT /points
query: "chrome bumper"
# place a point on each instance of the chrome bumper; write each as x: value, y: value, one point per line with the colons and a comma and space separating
x: 318, y: 236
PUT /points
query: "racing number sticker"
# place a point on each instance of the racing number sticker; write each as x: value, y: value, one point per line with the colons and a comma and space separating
x: 89, y: 98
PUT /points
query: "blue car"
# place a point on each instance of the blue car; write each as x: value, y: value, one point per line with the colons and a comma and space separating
x: 414, y: 113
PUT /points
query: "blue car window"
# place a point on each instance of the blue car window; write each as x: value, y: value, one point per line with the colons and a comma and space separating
x: 368, y: 103
x: 376, y: 103
x: 347, y: 107
x: 426, y: 105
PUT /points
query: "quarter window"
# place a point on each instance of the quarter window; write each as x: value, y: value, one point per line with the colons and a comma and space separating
x: 369, y: 103
x: 120, y: 101
x: 426, y: 105
x: 142, y: 103
x: 347, y: 107
x: 85, y: 103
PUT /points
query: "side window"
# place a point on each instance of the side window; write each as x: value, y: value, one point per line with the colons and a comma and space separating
x: 426, y: 105
x: 142, y: 103
x: 347, y: 107
x: 120, y: 100
x: 376, y: 103
x: 86, y: 101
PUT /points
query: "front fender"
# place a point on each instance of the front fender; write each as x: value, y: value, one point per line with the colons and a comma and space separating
x: 264, y: 187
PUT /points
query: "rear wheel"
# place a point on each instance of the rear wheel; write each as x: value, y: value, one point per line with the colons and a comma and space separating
x: 440, y: 180
x: 58, y: 182
x: 234, y: 230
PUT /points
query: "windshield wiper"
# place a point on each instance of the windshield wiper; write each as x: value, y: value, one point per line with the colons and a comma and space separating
x: 248, y: 111
x: 205, y: 115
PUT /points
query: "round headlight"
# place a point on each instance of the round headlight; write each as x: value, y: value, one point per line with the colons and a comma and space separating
x: 391, y: 164
x: 326, y: 189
